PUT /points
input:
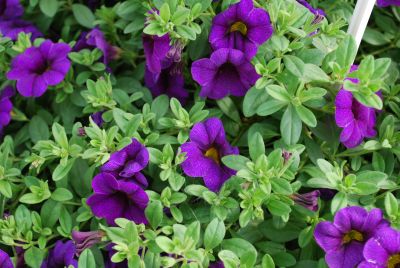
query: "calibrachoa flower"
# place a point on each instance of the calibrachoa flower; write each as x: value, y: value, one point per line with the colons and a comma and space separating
x: 204, y: 151
x: 96, y: 39
x: 344, y: 239
x: 37, y: 68
x: 114, y: 199
x: 383, y: 250
x: 97, y: 118
x: 6, y: 107
x: 242, y: 27
x: 128, y: 162
x: 10, y: 9
x: 227, y: 71
x: 62, y: 255
x: 155, y: 50
x: 315, y: 11
x: 385, y: 3
x: 358, y: 121
x: 84, y: 240
x: 5, y: 260
x: 11, y: 29
x: 169, y: 81
x: 307, y: 200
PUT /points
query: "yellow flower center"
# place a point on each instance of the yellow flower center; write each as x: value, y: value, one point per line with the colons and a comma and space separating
x: 394, y: 261
x: 240, y: 27
x: 213, y: 154
x: 352, y: 235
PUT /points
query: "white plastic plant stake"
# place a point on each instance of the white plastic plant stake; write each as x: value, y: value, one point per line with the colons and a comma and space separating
x: 360, y: 18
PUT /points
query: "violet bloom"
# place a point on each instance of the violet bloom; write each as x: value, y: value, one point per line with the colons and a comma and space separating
x: 169, y: 81
x: 6, y: 107
x: 97, y: 118
x: 227, y: 71
x: 62, y: 255
x: 84, y: 240
x: 218, y: 264
x: 128, y: 162
x: 11, y: 29
x: 114, y: 199
x: 316, y: 11
x: 5, y: 260
x: 307, y: 200
x: 241, y: 27
x: 385, y: 3
x: 344, y: 239
x: 10, y: 9
x: 383, y: 250
x: 96, y: 39
x: 155, y: 50
x: 37, y: 68
x: 204, y: 151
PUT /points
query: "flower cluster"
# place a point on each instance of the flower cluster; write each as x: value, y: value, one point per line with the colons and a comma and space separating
x: 5, y: 107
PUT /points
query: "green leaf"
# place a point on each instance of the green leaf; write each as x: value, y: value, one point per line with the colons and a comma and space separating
x: 267, y: 262
x: 270, y: 106
x: 38, y: 129
x: 236, y: 162
x: 214, y: 234
x: 49, y: 7
x: 305, y: 236
x: 154, y: 213
x: 306, y: 116
x: 281, y: 186
x: 278, y: 93
x: 278, y: 208
x: 186, y: 32
x: 5, y: 188
x: 256, y: 145
x: 338, y: 202
x: 228, y: 107
x: 83, y: 15
x: 314, y: 73
x: 59, y: 135
x: 290, y: 126
x: 61, y: 195
x: 61, y: 171
x: 243, y: 249
x: 165, y: 12
x: 34, y: 257
x: 391, y: 204
x: 86, y: 259
x: 371, y: 100
x: 346, y: 52
x: 295, y: 65
x: 165, y: 244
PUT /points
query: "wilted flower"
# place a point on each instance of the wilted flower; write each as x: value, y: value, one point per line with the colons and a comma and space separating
x: 96, y: 39
x: 385, y: 3
x: 175, y: 52
x: 62, y: 255
x: 10, y: 9
x: 84, y: 240
x: 169, y: 81
x: 383, y: 250
x: 37, y: 68
x: 11, y: 29
x: 227, y: 71
x: 6, y: 107
x: 307, y: 200
x: 114, y: 199
x: 344, y: 239
x: 5, y: 260
x: 204, y: 151
x: 128, y: 162
x: 241, y: 27
x: 155, y: 50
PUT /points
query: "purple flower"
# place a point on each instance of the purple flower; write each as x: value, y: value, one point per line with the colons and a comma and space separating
x: 241, y: 27
x: 383, y: 250
x: 97, y: 118
x: 155, y: 50
x: 62, y: 255
x: 6, y: 107
x: 315, y: 11
x: 37, y: 68
x: 128, y: 162
x: 227, y: 71
x: 5, y: 260
x: 307, y: 200
x: 114, y: 199
x: 169, y: 81
x: 96, y: 39
x: 84, y: 240
x: 385, y: 3
x: 11, y: 29
x: 10, y: 9
x: 207, y: 146
x: 218, y: 264
x: 344, y: 239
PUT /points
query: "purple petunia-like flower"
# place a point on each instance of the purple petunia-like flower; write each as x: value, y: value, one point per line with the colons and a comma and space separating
x: 386, y: 3
x: 227, y: 71
x: 96, y: 39
x: 62, y: 255
x: 315, y: 11
x: 5, y: 260
x: 383, y: 250
x: 156, y: 49
x: 84, y: 240
x: 6, y: 107
x: 11, y: 29
x: 307, y: 200
x: 218, y: 264
x: 204, y: 151
x: 114, y: 199
x: 241, y: 27
x: 358, y: 121
x: 128, y: 162
x: 97, y: 118
x: 169, y: 81
x: 37, y: 68
x: 344, y: 239
x: 10, y: 9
